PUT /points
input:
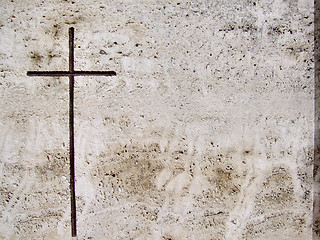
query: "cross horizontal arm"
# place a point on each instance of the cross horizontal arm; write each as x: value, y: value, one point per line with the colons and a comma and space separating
x: 68, y: 74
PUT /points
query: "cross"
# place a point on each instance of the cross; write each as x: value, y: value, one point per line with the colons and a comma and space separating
x: 71, y: 74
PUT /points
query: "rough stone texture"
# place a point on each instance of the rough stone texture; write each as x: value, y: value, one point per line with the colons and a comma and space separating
x: 205, y: 133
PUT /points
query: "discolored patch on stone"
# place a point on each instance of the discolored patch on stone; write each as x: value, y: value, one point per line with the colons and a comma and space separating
x: 12, y: 174
x: 39, y: 224
x: 130, y: 173
x: 36, y: 57
x: 277, y: 192
x: 55, y: 167
x: 5, y: 197
x: 316, y: 226
x: 287, y: 224
x: 224, y: 178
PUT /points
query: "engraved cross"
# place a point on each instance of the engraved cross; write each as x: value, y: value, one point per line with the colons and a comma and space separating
x: 71, y: 74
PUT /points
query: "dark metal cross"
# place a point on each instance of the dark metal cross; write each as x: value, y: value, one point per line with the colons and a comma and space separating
x: 71, y: 73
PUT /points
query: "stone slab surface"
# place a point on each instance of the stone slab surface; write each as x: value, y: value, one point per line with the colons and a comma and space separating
x: 206, y: 132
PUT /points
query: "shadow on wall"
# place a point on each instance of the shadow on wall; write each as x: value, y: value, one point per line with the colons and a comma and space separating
x: 316, y: 174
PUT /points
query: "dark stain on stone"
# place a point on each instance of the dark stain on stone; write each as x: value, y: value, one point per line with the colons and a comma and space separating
x: 227, y: 28
x: 36, y: 57
x: 56, y: 30
x: 247, y: 152
x: 222, y: 175
x: 296, y: 49
x: 277, y: 30
x: 51, y: 55
x: 277, y: 191
x: 131, y: 171
x: 316, y: 226
x: 36, y: 222
x: 274, y: 222
x: 74, y: 19
x: 56, y: 166
x: 70, y: 22
x: 248, y: 28
x: 167, y: 238
x: 12, y: 172
x: 148, y: 213
x: 5, y: 196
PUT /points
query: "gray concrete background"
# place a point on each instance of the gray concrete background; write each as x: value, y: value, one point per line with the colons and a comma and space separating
x: 206, y: 132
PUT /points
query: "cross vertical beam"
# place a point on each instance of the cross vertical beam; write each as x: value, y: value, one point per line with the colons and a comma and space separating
x: 71, y: 73
x: 71, y: 134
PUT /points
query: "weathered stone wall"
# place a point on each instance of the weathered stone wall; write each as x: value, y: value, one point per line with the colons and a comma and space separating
x: 206, y: 132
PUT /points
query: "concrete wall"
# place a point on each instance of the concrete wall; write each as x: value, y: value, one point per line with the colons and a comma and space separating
x: 206, y: 132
